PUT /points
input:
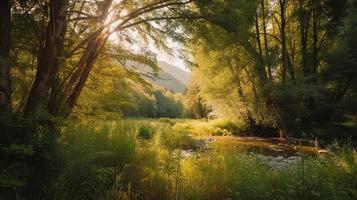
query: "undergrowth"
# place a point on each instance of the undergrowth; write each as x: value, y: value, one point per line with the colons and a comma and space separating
x: 143, y: 160
x: 122, y: 160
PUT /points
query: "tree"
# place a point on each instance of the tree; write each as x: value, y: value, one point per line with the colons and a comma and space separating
x: 69, y: 36
x: 196, y: 106
x: 5, y: 89
x: 281, y: 50
x: 50, y: 53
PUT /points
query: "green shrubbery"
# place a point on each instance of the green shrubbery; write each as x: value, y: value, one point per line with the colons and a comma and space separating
x: 106, y: 163
x: 110, y: 162
x: 229, y: 176
x: 145, y: 130
x: 93, y: 159
x: 213, y: 127
x: 174, y: 138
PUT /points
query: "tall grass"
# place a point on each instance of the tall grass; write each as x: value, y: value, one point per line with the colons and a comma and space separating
x: 227, y: 176
x: 174, y: 138
x: 93, y: 158
x: 213, y: 127
x: 113, y: 161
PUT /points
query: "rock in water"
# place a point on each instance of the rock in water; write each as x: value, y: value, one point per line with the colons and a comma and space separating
x: 324, y: 152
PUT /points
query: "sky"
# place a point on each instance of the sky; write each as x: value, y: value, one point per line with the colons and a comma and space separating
x: 171, y: 59
x: 174, y: 58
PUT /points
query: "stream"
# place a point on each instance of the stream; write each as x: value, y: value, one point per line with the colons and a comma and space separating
x: 274, y: 152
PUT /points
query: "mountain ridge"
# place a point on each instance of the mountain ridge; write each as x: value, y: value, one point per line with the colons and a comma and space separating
x: 170, y: 76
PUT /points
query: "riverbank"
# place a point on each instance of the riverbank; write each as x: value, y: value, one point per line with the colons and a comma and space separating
x: 165, y: 162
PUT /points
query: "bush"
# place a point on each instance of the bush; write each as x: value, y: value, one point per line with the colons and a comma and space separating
x: 145, y: 131
x: 174, y: 138
x: 214, y: 127
x: 231, y: 127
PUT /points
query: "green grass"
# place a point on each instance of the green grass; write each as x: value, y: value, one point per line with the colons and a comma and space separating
x: 174, y: 138
x: 142, y: 160
x: 93, y: 158
x: 212, y: 127
x: 227, y: 176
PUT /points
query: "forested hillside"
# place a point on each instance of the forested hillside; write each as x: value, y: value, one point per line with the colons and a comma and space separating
x: 172, y: 78
x: 168, y: 76
x: 266, y: 109
x: 175, y: 71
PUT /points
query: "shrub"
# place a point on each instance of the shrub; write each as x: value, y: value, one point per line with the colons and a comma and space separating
x: 145, y: 131
x: 214, y: 127
x: 174, y: 138
x: 234, y: 128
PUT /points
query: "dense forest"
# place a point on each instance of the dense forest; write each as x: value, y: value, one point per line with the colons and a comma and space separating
x: 89, y: 111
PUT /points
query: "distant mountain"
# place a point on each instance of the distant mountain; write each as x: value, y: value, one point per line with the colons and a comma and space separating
x: 170, y: 76
x: 179, y: 74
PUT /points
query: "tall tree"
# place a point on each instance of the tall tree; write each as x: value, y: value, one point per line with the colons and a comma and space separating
x: 5, y: 89
x: 58, y: 87
x: 49, y: 55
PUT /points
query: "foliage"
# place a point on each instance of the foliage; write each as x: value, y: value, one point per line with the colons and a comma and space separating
x: 108, y: 161
x: 129, y: 97
x: 213, y: 127
x: 145, y: 130
x: 285, y: 65
x: 195, y: 105
x: 174, y: 138
x: 153, y: 172
x: 93, y: 159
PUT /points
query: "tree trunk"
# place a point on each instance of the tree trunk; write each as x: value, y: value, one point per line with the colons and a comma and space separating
x: 243, y: 97
x: 49, y: 54
x: 266, y: 47
x: 286, y: 63
x: 315, y: 34
x: 304, y: 22
x: 58, y: 60
x: 86, y: 63
x: 260, y: 51
x: 92, y: 55
x: 5, y: 86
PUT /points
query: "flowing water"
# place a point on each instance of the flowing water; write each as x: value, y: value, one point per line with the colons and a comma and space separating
x: 265, y: 146
x: 273, y: 152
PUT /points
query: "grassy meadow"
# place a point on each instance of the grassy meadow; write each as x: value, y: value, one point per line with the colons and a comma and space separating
x: 144, y: 159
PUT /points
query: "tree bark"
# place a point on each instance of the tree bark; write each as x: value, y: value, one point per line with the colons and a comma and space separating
x: 47, y: 67
x: 260, y: 51
x: 304, y: 22
x: 5, y: 86
x: 266, y: 47
x: 315, y: 35
x: 286, y: 63
x: 86, y: 63
x: 87, y: 66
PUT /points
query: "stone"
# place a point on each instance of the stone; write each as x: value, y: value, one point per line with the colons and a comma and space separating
x: 279, y: 158
x: 324, y: 152
x: 277, y: 150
